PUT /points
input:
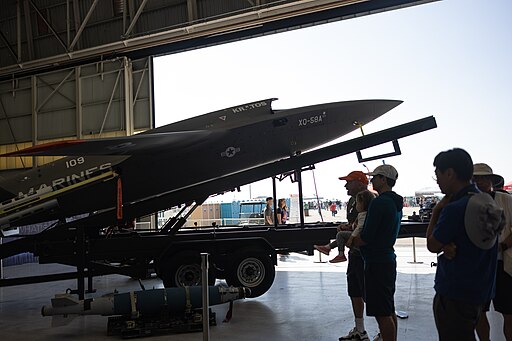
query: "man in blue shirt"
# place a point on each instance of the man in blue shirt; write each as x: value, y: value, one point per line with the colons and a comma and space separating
x: 466, y: 269
x: 377, y: 239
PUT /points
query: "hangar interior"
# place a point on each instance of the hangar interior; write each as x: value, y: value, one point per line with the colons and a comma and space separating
x: 81, y: 69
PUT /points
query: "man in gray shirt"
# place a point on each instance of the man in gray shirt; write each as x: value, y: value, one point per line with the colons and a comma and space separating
x: 269, y: 214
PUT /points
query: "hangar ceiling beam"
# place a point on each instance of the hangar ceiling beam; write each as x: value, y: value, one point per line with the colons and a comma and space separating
x: 50, y: 27
x: 18, y: 29
x: 208, y: 28
x: 76, y: 15
x: 82, y: 26
x: 134, y: 20
x: 131, y: 6
x: 6, y: 42
x: 140, y: 28
x: 192, y: 10
x: 28, y: 29
x: 125, y: 16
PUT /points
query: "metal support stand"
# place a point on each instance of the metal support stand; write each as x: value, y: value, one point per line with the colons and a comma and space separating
x: 298, y: 177
x: 274, y: 195
x: 206, y: 298
x: 80, y: 264
x: 414, y: 253
x: 174, y: 224
x: 295, y: 176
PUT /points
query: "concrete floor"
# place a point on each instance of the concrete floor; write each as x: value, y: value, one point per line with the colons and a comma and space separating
x: 308, y: 301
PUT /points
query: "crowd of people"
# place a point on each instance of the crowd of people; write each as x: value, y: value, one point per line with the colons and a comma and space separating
x: 469, y: 230
x: 329, y: 205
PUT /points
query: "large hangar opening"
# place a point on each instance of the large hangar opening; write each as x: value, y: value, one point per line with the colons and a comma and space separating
x: 344, y: 60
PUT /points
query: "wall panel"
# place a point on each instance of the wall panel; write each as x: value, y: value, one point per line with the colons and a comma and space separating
x: 83, y: 102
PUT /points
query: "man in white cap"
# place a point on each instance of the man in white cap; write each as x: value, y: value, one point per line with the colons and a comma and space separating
x: 485, y: 180
x: 464, y: 236
x: 377, y: 239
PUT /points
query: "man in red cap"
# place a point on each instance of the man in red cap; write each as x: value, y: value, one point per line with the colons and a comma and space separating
x: 356, y: 182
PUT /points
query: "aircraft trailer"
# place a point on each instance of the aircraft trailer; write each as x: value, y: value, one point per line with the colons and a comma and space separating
x: 98, y: 244
x: 244, y: 255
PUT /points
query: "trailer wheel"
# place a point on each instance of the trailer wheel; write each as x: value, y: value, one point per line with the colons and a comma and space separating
x: 252, y: 270
x: 184, y: 269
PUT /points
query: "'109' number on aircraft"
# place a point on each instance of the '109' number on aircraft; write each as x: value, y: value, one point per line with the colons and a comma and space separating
x: 75, y: 162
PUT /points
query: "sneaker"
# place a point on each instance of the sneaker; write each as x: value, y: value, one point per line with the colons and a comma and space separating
x: 377, y: 337
x: 355, y: 334
x: 338, y: 259
x: 323, y: 249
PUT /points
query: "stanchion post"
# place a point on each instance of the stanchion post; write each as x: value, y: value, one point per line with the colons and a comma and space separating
x: 206, y: 298
x: 414, y: 249
x: 414, y: 252
x: 320, y: 258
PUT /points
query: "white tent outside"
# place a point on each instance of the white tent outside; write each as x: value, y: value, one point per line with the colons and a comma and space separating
x: 428, y: 192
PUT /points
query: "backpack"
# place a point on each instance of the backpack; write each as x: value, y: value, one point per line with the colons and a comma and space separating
x: 483, y: 220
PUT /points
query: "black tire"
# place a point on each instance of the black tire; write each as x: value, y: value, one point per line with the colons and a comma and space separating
x: 253, y: 270
x: 184, y: 269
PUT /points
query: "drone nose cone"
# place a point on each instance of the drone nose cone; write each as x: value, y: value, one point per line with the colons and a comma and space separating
x: 365, y: 111
x: 377, y: 108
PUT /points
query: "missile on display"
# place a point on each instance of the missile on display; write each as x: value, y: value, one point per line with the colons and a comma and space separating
x: 144, y: 303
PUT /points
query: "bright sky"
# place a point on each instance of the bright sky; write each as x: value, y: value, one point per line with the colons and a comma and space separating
x: 450, y: 59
